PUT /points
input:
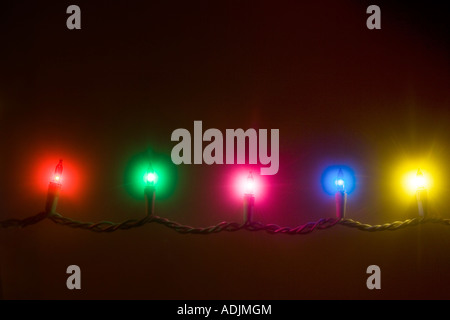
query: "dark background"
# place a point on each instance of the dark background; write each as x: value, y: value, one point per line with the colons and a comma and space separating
x: 136, y: 71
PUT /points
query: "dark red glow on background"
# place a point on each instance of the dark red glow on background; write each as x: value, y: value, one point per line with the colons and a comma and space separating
x: 137, y: 70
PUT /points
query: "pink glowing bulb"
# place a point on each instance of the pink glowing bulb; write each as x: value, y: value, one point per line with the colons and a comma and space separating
x: 245, y: 183
x: 250, y: 185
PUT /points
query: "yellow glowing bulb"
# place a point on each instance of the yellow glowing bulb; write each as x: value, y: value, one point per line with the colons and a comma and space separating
x: 407, y: 181
x: 417, y: 180
x: 420, y: 181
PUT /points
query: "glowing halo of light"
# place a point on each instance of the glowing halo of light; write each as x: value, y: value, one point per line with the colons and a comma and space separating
x: 402, y: 182
x: 136, y: 174
x: 331, y: 183
x: 412, y: 182
x: 151, y: 178
x: 250, y: 184
x: 243, y: 183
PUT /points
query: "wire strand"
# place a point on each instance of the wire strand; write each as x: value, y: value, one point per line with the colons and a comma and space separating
x: 21, y: 223
x: 393, y: 225
x: 321, y: 224
x: 102, y: 226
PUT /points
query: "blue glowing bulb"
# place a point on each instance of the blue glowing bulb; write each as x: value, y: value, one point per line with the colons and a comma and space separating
x: 340, y: 183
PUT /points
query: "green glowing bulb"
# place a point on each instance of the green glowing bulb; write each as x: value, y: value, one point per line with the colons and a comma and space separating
x: 151, y: 178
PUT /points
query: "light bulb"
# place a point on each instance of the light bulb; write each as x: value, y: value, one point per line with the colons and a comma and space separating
x: 250, y: 185
x: 150, y: 177
x: 340, y: 183
x: 57, y: 177
x: 249, y: 198
x: 54, y: 188
x: 419, y: 180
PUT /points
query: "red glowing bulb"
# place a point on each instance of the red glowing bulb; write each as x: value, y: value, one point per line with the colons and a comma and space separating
x: 57, y: 177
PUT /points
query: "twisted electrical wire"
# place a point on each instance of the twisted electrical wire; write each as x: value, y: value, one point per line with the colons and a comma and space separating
x: 106, y: 226
x: 301, y: 229
x: 393, y: 225
x: 321, y: 224
x: 21, y: 223
x: 102, y: 226
x: 221, y: 226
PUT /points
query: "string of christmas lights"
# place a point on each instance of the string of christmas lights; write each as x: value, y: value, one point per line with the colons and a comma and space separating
x: 151, y: 178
